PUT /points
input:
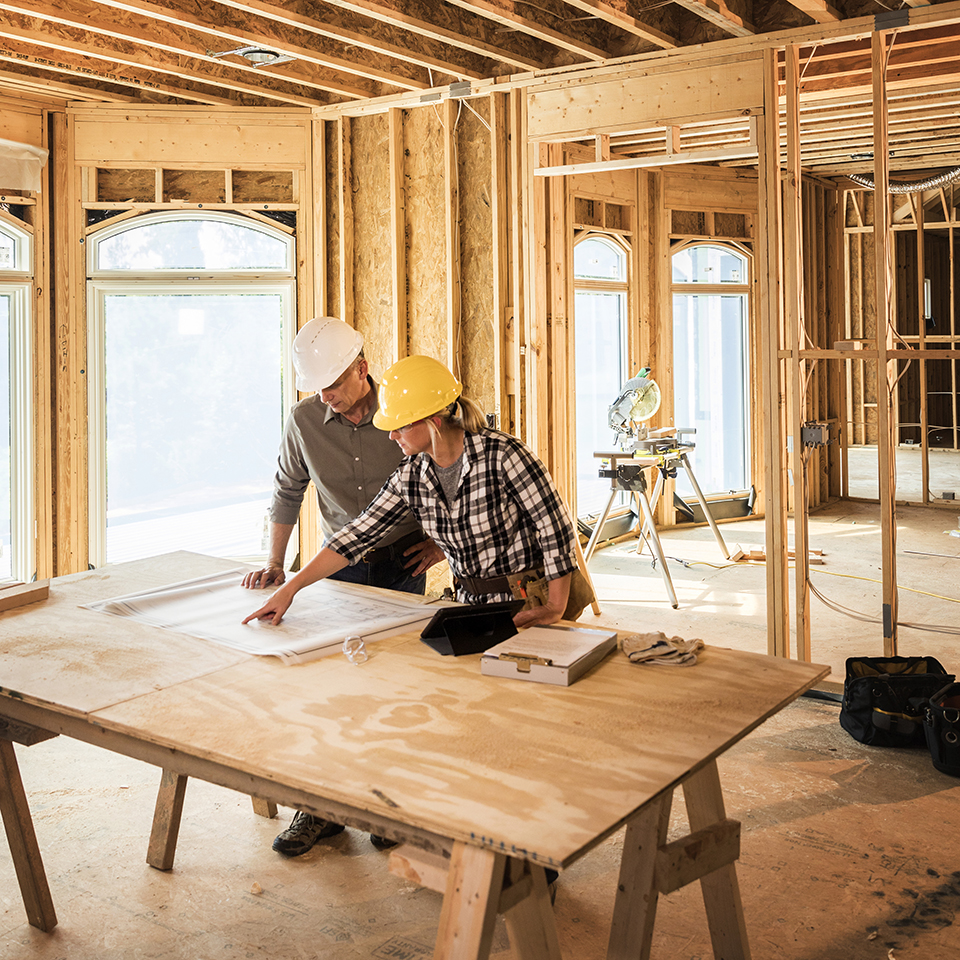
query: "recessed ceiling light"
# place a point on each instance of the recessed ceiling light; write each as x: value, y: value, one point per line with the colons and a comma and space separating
x: 258, y: 56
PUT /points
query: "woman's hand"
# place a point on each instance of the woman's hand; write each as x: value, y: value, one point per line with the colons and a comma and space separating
x: 558, y: 592
x: 537, y: 617
x: 274, y: 609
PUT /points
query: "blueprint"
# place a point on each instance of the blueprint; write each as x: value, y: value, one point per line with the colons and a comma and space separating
x: 322, y: 615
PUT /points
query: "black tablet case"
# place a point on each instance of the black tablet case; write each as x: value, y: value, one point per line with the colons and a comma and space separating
x: 472, y: 628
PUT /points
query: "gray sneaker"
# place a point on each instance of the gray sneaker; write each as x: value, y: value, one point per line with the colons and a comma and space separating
x: 304, y: 831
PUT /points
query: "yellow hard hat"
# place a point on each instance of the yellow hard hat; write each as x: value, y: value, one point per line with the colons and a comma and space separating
x: 412, y: 389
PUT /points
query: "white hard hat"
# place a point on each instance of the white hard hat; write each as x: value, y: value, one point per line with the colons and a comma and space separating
x: 322, y: 350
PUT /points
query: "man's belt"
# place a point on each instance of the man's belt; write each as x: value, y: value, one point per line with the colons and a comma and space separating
x: 393, y: 551
x: 481, y: 585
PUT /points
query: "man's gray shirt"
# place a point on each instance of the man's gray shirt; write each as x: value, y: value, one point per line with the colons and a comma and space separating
x: 347, y: 462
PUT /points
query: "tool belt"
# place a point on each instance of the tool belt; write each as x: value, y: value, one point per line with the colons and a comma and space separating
x: 393, y: 551
x: 531, y: 586
x: 479, y: 586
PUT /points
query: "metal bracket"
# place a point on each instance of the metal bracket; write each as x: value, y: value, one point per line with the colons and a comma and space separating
x: 524, y: 661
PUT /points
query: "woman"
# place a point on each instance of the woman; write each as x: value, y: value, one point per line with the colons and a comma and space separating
x: 482, y: 495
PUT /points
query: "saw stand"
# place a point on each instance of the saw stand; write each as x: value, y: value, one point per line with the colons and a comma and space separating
x: 666, y: 454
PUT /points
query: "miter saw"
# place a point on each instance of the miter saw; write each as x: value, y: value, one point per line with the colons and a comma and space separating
x: 639, y: 400
x: 665, y: 449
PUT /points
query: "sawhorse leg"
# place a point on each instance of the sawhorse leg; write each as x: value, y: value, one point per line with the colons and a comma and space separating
x: 477, y: 884
x: 166, y: 819
x: 22, y: 839
x: 650, y: 866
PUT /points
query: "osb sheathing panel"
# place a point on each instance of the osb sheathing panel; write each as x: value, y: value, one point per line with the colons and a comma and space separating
x: 196, y: 186
x: 262, y: 186
x: 372, y: 284
x: 426, y: 244
x: 331, y: 256
x: 478, y: 324
x: 120, y: 185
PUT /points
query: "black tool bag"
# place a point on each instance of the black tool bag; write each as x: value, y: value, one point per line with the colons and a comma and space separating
x: 941, y: 725
x: 877, y: 695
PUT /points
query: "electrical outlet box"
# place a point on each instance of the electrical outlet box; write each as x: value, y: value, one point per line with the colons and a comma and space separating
x: 815, y: 434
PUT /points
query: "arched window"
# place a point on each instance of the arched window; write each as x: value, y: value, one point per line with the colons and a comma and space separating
x: 711, y: 363
x: 17, y: 540
x: 600, y: 329
x: 189, y: 318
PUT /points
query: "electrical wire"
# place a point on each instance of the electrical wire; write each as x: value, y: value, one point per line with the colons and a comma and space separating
x: 923, y: 593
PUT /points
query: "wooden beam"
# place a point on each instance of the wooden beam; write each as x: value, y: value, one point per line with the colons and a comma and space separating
x: 70, y: 357
x: 368, y: 40
x: 720, y: 15
x: 251, y: 31
x: 152, y: 53
x: 44, y: 377
x: 89, y: 70
x: 345, y: 198
x: 504, y: 14
x: 560, y: 342
x: 699, y: 853
x: 20, y: 594
x: 453, y: 289
x: 818, y: 10
x: 769, y: 313
x: 394, y: 13
x: 619, y: 18
x: 745, y: 151
x: 537, y: 397
x: 398, y: 235
x: 795, y: 324
x: 320, y: 225
x: 500, y: 249
x: 519, y: 258
x: 887, y: 367
x: 922, y: 330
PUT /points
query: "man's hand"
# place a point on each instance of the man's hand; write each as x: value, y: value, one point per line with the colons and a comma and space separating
x: 272, y: 573
x: 274, y: 609
x: 422, y: 556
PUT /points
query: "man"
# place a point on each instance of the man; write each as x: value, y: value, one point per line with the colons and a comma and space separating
x: 330, y: 438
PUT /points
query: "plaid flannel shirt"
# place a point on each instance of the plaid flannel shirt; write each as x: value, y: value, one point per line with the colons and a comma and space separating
x: 507, y: 517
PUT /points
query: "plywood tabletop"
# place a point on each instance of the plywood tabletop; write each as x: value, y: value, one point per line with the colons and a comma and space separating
x: 410, y: 735
x: 541, y: 771
x: 55, y: 652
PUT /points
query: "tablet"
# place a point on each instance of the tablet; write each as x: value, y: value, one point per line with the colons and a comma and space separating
x: 436, y: 627
x: 471, y: 628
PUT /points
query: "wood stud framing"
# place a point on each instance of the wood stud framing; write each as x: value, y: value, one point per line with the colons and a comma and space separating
x: 886, y: 367
x: 885, y: 90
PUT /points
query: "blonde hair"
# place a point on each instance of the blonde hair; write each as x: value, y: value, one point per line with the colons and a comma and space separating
x: 464, y: 413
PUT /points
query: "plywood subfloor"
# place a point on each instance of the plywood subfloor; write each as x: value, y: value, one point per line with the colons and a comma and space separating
x: 847, y: 854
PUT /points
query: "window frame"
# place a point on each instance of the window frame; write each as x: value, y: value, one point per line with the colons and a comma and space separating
x: 102, y: 283
x: 745, y: 290
x: 17, y: 284
x: 622, y: 289
x: 276, y: 231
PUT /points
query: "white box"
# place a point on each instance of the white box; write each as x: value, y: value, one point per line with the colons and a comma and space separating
x: 554, y: 654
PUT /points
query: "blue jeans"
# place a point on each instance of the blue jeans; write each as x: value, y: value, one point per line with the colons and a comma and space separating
x: 387, y: 573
